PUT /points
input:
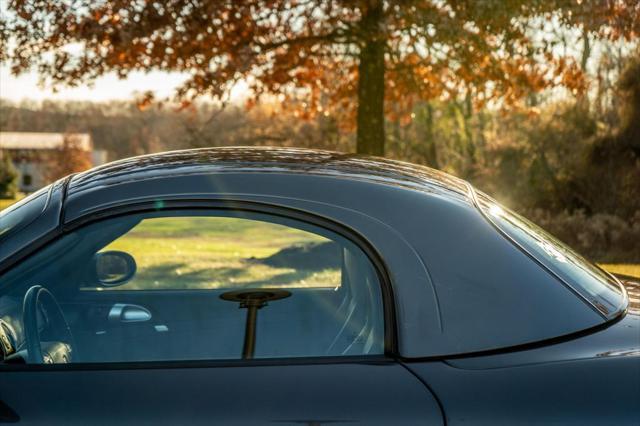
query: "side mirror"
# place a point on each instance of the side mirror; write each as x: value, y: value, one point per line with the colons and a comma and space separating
x: 114, y: 268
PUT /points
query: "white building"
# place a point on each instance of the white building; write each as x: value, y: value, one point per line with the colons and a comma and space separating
x: 28, y: 152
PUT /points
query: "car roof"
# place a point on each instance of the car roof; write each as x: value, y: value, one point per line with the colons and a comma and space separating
x: 272, y: 160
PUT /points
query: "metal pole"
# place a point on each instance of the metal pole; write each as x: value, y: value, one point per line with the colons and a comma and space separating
x: 252, y: 300
x: 250, y: 331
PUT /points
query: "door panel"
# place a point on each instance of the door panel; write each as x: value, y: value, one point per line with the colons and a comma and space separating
x: 380, y: 393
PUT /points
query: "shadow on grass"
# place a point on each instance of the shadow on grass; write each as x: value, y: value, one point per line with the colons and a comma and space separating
x: 306, y: 256
x: 303, y: 259
x: 165, y: 276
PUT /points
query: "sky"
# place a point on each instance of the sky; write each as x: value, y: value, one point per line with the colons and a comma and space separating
x: 107, y: 88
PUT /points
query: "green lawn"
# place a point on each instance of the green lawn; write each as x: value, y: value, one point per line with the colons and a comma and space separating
x: 217, y: 252
x: 6, y: 202
x: 629, y: 269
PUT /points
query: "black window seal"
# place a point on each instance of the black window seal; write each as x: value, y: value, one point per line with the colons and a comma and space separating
x: 213, y: 363
x: 388, y: 301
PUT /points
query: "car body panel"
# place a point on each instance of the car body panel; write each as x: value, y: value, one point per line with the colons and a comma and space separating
x: 620, y: 338
x: 348, y: 392
x: 602, y: 391
x: 591, y: 379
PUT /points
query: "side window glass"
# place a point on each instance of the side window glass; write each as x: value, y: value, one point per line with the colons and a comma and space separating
x: 181, y: 253
x: 189, y: 285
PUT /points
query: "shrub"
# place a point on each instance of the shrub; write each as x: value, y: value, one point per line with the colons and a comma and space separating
x: 602, y: 238
x: 8, y: 177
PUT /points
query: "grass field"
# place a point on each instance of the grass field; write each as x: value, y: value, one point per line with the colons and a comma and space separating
x: 629, y: 269
x: 218, y: 252
x: 4, y: 202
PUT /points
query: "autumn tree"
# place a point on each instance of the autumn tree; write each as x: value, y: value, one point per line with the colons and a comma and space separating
x: 70, y: 157
x: 612, y: 176
x: 360, y: 58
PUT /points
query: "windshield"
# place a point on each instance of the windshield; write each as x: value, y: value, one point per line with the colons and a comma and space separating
x: 23, y: 212
x: 599, y: 288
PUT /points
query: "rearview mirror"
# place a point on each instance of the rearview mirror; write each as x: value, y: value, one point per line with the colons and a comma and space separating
x: 114, y: 268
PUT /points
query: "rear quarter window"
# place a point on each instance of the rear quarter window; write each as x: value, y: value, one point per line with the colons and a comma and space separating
x: 598, y: 287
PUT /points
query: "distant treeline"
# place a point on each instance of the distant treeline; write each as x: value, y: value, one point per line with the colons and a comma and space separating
x: 123, y: 129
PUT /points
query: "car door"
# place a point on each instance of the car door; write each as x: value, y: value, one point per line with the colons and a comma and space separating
x: 193, y: 316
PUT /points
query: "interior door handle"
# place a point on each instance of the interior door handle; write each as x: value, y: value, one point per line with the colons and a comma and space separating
x: 123, y: 312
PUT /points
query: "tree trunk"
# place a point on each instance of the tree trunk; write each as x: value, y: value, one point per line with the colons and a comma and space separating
x: 370, y: 119
x: 432, y: 149
x: 586, y: 50
x: 582, y: 100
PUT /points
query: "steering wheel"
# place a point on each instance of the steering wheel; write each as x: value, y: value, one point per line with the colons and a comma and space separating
x: 39, y: 303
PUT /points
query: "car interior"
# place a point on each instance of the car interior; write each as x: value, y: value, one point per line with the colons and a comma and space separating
x: 69, y: 303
